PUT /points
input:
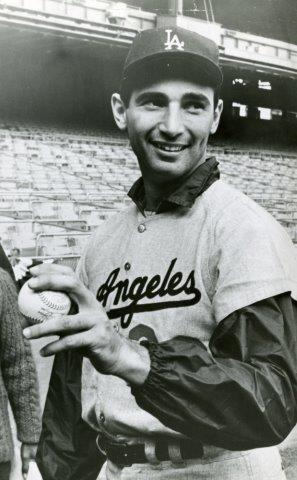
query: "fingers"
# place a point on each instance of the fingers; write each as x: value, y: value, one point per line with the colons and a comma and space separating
x: 25, y: 467
x: 75, y: 341
x: 57, y: 281
x: 28, y: 453
x: 61, y: 278
x: 50, y: 268
x: 59, y: 324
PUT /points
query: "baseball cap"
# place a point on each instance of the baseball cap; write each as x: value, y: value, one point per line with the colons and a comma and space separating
x: 173, y: 46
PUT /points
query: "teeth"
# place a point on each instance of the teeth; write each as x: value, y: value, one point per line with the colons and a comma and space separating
x: 169, y: 148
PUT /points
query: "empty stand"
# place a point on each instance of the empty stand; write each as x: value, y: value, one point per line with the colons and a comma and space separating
x: 57, y: 186
x: 60, y: 181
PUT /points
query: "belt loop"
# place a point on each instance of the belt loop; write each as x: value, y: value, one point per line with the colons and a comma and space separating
x: 150, y: 452
x: 174, y: 453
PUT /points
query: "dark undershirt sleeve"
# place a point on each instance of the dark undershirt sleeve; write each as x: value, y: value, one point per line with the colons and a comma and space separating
x: 240, y: 396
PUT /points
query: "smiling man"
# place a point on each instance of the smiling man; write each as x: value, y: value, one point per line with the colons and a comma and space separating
x: 187, y: 299
x: 168, y: 123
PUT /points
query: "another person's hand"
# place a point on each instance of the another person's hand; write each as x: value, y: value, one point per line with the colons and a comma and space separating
x: 28, y: 454
x: 90, y: 330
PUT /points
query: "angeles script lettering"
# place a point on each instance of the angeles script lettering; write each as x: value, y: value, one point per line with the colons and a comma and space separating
x: 140, y: 288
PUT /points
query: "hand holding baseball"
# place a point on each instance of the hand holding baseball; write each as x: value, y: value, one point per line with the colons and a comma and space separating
x: 40, y: 306
x: 90, y: 330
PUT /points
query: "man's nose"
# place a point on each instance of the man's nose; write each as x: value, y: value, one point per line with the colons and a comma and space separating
x: 171, y: 124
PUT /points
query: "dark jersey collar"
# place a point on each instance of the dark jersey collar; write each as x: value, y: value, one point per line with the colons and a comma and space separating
x: 186, y: 194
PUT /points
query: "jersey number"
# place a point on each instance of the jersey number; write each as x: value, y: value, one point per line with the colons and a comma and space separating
x: 142, y: 332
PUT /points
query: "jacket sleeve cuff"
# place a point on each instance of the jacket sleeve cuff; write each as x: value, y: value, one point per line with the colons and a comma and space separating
x: 165, y: 370
x: 153, y: 380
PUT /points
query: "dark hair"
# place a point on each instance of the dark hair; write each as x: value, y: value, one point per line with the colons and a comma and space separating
x: 152, y: 72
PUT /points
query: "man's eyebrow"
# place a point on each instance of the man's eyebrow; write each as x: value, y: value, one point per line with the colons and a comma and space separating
x: 198, y: 97
x: 151, y: 94
x: 189, y: 96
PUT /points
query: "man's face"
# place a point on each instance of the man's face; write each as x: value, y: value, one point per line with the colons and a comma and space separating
x: 168, y: 124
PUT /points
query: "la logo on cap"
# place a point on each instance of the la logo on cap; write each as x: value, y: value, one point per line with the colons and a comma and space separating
x: 173, y: 42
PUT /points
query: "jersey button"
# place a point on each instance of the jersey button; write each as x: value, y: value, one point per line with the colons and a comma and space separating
x: 102, y: 417
x: 127, y: 266
x: 141, y: 228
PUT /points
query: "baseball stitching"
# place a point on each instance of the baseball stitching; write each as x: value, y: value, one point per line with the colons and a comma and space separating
x: 49, y: 303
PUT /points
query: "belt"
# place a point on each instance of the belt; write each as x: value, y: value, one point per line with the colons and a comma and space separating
x: 125, y: 455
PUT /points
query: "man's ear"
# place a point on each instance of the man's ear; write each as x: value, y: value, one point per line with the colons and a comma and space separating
x: 119, y: 111
x: 217, y: 116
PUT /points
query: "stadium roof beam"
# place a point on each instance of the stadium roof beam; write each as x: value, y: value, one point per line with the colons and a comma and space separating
x: 259, y: 67
x: 66, y: 26
x: 237, y: 49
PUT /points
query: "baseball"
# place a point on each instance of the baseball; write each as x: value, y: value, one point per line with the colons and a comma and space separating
x: 39, y: 306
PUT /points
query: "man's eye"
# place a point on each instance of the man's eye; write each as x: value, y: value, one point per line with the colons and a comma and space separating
x: 153, y: 103
x: 194, y: 107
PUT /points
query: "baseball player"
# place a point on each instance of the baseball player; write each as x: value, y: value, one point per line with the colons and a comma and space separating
x: 187, y: 299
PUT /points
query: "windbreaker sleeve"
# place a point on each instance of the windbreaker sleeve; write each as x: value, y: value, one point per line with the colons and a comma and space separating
x: 240, y: 394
